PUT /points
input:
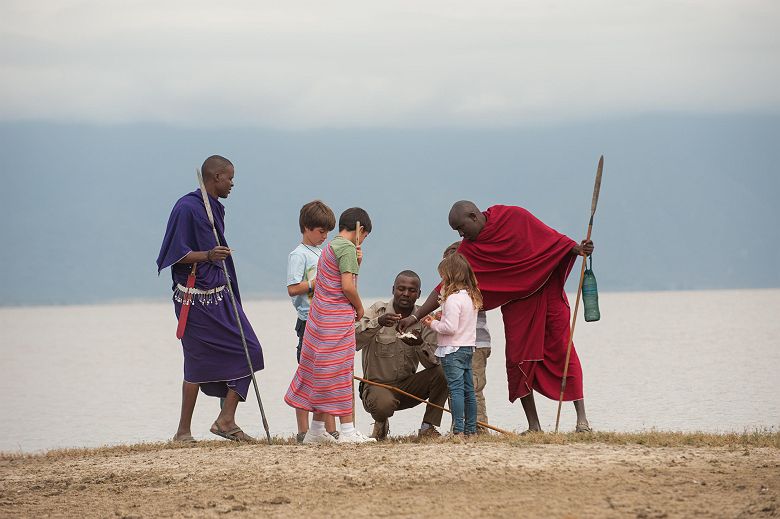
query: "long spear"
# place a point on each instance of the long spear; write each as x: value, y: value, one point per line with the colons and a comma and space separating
x: 596, y: 189
x: 401, y: 391
x: 207, y: 203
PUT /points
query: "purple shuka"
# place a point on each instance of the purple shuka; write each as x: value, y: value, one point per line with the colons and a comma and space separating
x: 213, y: 353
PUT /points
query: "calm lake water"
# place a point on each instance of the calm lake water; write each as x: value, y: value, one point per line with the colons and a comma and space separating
x: 85, y: 376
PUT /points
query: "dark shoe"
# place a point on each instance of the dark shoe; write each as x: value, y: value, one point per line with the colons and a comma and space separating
x: 429, y: 433
x: 381, y: 430
x: 300, y: 436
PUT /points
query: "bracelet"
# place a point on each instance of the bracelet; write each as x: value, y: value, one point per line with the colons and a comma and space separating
x: 310, y: 289
x: 415, y: 317
x: 208, y: 256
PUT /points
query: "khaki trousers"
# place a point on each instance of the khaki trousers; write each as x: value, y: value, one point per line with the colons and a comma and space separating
x: 430, y: 384
x: 478, y: 365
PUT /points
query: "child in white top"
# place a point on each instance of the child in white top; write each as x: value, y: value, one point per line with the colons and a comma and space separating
x: 481, y: 354
x: 457, y: 336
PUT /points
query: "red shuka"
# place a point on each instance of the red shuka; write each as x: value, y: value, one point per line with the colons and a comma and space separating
x: 521, y: 265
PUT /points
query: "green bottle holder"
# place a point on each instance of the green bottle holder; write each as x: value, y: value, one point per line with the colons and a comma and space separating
x: 590, y: 294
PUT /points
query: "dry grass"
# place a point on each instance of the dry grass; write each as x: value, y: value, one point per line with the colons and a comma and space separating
x: 759, y: 438
x: 660, y: 439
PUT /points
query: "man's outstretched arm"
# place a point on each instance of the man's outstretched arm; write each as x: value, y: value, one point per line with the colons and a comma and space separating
x: 430, y: 304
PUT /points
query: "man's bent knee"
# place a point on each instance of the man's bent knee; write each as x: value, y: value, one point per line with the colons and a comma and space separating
x: 379, y: 403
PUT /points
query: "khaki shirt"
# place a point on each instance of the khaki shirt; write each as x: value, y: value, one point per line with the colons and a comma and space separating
x: 386, y: 358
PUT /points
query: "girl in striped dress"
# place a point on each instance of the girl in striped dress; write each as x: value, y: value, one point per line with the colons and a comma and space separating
x: 323, y: 381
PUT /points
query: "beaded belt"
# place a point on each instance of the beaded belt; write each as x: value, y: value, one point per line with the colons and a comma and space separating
x: 205, y: 297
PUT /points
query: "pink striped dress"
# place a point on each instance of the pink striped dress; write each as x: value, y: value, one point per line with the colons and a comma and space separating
x: 323, y: 380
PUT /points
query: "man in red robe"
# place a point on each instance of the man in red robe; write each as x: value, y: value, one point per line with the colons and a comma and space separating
x: 521, y: 265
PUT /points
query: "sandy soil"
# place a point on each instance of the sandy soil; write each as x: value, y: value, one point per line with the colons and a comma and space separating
x: 481, y: 479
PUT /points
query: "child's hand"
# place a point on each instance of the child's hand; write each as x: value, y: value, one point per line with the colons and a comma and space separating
x: 437, y: 315
x: 360, y: 254
x: 427, y: 320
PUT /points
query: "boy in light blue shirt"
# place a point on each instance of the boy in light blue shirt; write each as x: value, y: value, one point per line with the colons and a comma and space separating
x: 315, y: 221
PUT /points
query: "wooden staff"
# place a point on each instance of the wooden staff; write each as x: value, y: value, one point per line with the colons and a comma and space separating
x: 235, y: 305
x: 391, y: 388
x: 354, y: 409
x: 596, y: 189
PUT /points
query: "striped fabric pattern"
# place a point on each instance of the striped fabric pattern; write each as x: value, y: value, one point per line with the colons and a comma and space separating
x: 323, y: 380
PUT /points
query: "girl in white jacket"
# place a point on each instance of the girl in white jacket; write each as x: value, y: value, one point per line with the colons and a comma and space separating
x: 457, y: 336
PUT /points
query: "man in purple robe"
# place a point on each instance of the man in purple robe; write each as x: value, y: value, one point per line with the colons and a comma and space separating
x: 214, y: 357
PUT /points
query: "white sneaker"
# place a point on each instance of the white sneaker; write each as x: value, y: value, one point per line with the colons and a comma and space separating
x: 322, y: 437
x: 355, y: 437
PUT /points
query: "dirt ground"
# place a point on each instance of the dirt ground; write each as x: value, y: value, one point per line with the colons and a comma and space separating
x: 491, y: 478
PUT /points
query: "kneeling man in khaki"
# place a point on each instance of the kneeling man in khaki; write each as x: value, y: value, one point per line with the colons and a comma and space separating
x: 393, y: 360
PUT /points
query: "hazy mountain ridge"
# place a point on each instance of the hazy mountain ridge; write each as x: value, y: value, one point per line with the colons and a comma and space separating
x: 687, y: 202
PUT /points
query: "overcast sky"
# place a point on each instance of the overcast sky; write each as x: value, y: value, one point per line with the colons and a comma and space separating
x: 384, y: 64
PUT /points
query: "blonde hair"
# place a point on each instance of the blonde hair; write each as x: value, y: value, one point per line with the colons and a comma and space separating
x: 456, y: 274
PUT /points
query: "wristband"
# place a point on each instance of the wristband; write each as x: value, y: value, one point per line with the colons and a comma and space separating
x: 310, y: 289
x: 415, y: 317
x: 208, y: 256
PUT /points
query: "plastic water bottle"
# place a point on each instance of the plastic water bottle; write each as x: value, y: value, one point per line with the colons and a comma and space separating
x: 590, y: 294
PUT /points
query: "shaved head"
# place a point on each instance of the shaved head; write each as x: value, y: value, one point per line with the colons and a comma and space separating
x: 218, y: 175
x: 213, y: 165
x: 464, y: 206
x: 466, y: 218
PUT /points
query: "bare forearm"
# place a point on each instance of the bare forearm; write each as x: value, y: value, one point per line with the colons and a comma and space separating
x: 353, y: 297
x: 430, y: 304
x: 195, y: 257
x: 299, y: 288
x: 349, y: 287
x: 218, y: 253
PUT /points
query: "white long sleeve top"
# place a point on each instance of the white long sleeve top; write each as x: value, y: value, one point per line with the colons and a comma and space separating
x: 458, y: 325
